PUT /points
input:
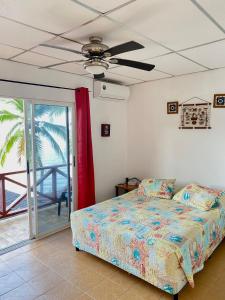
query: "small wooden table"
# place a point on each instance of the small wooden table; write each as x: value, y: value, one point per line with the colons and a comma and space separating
x: 125, y: 187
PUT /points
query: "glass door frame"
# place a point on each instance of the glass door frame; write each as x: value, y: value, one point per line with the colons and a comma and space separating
x: 32, y: 205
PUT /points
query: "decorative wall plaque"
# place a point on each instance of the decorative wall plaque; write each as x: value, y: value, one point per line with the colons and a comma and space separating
x: 172, y: 107
x: 105, y: 130
x: 195, y: 116
x: 219, y: 101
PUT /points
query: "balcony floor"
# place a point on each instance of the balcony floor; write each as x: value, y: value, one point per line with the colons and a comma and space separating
x: 13, y: 230
x: 16, y: 229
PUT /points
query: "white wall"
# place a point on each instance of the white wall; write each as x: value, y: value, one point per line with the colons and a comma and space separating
x: 20, y: 72
x: 109, y: 153
x: 156, y: 147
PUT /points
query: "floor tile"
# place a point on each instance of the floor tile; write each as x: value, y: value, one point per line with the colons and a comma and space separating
x: 20, y: 260
x: 16, y: 229
x: 69, y: 270
x: 84, y: 297
x: 144, y: 290
x: 50, y: 297
x: 63, y: 290
x: 106, y: 290
x: 9, y: 282
x: 4, y: 269
x: 123, y: 278
x: 31, y: 270
x: 13, y: 230
x: 45, y: 282
x: 86, y: 280
x: 23, y: 292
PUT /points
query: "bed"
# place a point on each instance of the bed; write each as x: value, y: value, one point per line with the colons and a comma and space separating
x: 160, y: 241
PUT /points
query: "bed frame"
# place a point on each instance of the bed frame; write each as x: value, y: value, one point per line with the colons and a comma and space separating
x: 175, y: 297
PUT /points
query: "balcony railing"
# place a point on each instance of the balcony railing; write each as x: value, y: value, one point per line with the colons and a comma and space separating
x: 48, y: 189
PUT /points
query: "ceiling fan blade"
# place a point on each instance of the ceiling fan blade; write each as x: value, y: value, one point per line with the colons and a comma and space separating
x: 99, y: 76
x: 62, y: 63
x: 132, y: 64
x: 126, y: 47
x: 61, y: 48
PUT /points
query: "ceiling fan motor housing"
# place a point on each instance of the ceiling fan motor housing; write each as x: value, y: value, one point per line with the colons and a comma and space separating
x: 95, y: 47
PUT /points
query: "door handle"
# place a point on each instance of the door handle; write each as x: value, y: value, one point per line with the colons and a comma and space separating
x: 28, y: 167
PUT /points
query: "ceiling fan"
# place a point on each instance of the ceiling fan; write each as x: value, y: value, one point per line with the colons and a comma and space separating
x: 98, y: 56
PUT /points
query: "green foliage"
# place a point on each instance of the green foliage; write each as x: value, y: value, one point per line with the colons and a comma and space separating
x: 6, y: 116
x: 43, y: 130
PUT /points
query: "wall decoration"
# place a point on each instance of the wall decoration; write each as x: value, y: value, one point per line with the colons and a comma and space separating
x: 105, y: 130
x: 219, y: 101
x: 172, y: 107
x: 195, y: 115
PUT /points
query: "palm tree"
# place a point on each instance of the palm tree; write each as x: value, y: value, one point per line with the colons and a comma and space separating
x: 44, y: 130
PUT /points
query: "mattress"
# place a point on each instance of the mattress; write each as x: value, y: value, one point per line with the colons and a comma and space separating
x: 161, y: 241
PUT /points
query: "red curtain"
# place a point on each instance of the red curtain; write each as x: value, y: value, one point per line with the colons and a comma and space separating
x: 85, y: 165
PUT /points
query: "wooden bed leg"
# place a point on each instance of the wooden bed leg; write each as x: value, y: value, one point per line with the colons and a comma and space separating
x: 77, y: 249
x: 175, y: 297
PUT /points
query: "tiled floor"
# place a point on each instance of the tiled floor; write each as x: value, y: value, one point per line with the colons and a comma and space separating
x: 49, y: 220
x: 13, y: 230
x: 16, y: 229
x: 52, y: 269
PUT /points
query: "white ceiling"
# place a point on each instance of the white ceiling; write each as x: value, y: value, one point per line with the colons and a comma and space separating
x: 7, y: 51
x: 211, y: 55
x: 216, y: 8
x: 180, y: 36
x: 175, y: 64
x: 36, y: 59
x: 56, y: 16
x: 72, y: 68
x: 177, y: 24
x: 60, y: 54
x: 139, y: 74
x: 21, y: 36
x: 104, y: 6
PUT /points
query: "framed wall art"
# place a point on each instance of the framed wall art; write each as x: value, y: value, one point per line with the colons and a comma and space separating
x: 219, y: 101
x: 172, y: 107
x: 195, y: 116
x: 105, y: 130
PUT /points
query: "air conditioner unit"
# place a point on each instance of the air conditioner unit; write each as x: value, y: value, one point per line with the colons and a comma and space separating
x: 111, y: 91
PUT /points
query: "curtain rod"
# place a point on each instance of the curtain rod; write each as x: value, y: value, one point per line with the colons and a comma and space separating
x: 38, y: 84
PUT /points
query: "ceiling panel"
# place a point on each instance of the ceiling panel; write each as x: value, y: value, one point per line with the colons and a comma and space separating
x: 7, y: 51
x: 55, y: 16
x: 216, y: 9
x: 65, y: 55
x: 36, y: 59
x: 21, y: 36
x: 103, y: 5
x: 72, y: 68
x: 175, y: 24
x: 121, y: 79
x: 100, y: 27
x: 211, y: 55
x: 114, y: 34
x: 139, y: 74
x: 175, y: 64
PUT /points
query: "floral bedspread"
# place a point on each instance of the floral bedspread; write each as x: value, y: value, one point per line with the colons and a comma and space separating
x: 161, y: 241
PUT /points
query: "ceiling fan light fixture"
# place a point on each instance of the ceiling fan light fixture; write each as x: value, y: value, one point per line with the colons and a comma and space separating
x: 95, y: 67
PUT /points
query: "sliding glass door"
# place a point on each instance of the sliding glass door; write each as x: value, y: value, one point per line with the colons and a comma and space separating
x: 50, y: 168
